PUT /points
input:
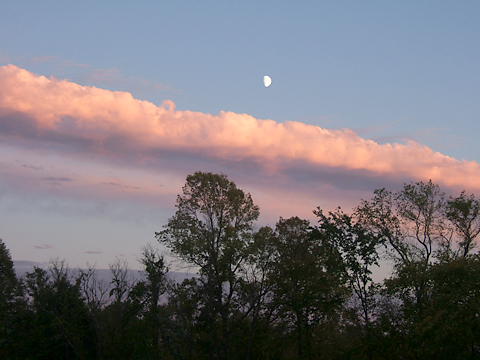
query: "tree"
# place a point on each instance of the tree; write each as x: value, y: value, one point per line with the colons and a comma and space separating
x: 8, y: 279
x: 122, y: 326
x: 11, y: 306
x: 417, y: 226
x: 154, y: 286
x: 60, y: 327
x: 358, y: 247
x: 95, y: 294
x: 464, y: 213
x: 420, y: 210
x: 8, y: 287
x: 412, y: 225
x: 411, y: 221
x: 306, y: 281
x: 448, y: 327
x: 183, y: 330
x: 257, y: 292
x: 212, y: 229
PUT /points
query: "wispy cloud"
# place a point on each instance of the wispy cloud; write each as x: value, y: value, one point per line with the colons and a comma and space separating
x: 3, y: 57
x: 121, y: 186
x: 90, y: 128
x: 93, y: 252
x: 43, y: 247
x: 56, y: 180
x: 114, y: 78
x: 58, y: 62
x: 59, y: 179
x: 32, y: 167
x: 378, y: 128
x: 40, y: 60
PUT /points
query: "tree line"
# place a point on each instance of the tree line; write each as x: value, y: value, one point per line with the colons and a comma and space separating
x: 294, y: 291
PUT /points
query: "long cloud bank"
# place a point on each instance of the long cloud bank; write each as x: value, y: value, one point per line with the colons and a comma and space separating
x: 60, y: 118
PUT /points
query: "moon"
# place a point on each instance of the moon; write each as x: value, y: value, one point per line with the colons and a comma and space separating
x: 267, y: 81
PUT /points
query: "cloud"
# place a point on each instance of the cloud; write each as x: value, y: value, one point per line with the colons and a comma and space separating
x: 77, y: 132
x: 33, y: 167
x: 122, y: 186
x: 58, y: 179
x: 3, y: 57
x: 114, y: 78
x: 93, y: 252
x: 43, y: 247
x: 58, y: 62
x: 40, y: 60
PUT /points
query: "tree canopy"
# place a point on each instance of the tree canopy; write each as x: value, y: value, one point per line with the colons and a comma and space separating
x: 295, y: 290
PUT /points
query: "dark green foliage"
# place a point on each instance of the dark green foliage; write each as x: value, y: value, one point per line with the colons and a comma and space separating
x: 150, y: 290
x: 212, y: 229
x: 464, y: 213
x: 60, y: 327
x: 358, y: 247
x: 8, y: 279
x: 445, y: 325
x: 13, y: 309
x: 182, y: 334
x: 449, y: 325
x: 306, y: 283
x: 8, y: 288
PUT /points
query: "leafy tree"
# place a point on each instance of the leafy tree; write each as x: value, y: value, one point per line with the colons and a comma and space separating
x: 412, y: 225
x: 95, y: 294
x: 420, y: 209
x: 380, y: 216
x: 464, y: 213
x: 411, y: 221
x: 256, y: 293
x: 8, y: 287
x: 12, y: 307
x: 124, y: 334
x: 8, y: 280
x: 306, y: 282
x: 417, y: 225
x: 153, y: 287
x: 212, y: 229
x: 449, y: 325
x: 358, y: 247
x: 60, y: 327
x: 183, y: 333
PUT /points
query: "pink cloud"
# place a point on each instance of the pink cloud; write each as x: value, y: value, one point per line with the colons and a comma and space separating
x: 58, y: 121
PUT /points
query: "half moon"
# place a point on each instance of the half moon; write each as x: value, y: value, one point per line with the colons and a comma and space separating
x: 267, y: 81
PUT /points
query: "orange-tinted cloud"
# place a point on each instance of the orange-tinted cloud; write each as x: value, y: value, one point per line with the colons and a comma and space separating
x: 106, y: 127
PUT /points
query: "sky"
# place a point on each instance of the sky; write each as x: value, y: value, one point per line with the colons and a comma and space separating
x: 106, y: 107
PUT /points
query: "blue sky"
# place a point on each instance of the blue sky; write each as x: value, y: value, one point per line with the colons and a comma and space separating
x: 391, y: 72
